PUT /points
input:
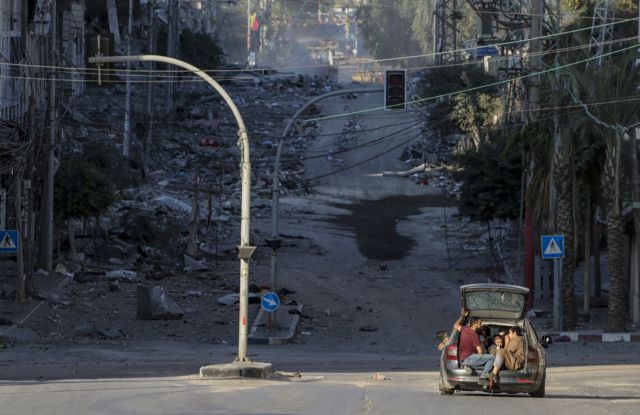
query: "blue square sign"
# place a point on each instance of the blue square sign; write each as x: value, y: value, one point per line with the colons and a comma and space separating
x: 552, y: 246
x: 8, y: 242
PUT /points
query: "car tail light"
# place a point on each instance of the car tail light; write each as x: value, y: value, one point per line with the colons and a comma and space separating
x: 452, y: 352
x: 532, y: 355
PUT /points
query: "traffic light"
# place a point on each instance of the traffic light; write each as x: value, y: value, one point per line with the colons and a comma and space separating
x: 395, y: 86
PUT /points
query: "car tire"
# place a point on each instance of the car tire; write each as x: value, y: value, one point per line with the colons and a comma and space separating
x: 539, y: 392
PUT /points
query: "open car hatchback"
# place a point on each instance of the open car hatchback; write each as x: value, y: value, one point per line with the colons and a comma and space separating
x: 499, y: 306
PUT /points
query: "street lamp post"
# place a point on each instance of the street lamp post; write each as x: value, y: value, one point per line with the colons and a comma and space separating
x: 275, y: 241
x: 245, y: 249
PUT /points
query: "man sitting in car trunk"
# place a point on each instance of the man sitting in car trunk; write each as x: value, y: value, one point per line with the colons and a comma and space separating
x: 470, y: 349
x: 512, y: 356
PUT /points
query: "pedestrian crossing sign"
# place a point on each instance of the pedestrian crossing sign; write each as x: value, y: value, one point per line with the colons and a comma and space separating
x: 552, y: 246
x: 8, y: 242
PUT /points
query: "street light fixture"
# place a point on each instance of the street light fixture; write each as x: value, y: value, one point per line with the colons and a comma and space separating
x: 245, y: 249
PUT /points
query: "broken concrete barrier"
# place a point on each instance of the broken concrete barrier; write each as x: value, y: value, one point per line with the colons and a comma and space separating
x: 154, y: 304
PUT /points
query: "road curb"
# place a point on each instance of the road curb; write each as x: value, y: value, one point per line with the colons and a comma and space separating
x: 572, y: 336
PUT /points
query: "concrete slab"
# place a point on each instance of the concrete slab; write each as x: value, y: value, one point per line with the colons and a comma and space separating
x: 616, y: 337
x: 237, y: 370
x: 288, y: 319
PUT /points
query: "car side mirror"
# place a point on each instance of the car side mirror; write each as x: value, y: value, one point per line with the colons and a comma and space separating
x: 441, y: 335
x: 546, y: 341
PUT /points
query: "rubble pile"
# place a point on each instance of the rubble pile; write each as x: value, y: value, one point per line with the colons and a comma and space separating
x: 165, y: 250
x: 430, y: 161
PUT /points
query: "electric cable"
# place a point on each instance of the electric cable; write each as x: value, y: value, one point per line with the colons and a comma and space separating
x: 476, y: 88
x: 512, y: 42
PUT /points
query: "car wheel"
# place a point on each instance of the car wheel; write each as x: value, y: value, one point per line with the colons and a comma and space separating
x: 539, y: 392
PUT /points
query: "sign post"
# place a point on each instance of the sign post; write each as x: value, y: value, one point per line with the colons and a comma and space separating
x: 270, y: 303
x: 553, y: 248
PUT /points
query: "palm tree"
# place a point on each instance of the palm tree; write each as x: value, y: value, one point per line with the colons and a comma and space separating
x: 610, y: 83
x: 550, y: 193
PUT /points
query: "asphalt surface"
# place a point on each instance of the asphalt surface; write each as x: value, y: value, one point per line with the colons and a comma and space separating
x: 346, y: 384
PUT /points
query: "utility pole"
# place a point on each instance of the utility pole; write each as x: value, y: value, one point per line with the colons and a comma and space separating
x: 635, y: 270
x: 537, y: 11
x: 21, y: 282
x: 446, y: 31
x: 127, y: 103
x: 635, y: 274
x: 248, y: 28
x: 172, y: 33
x: 46, y: 234
x: 152, y: 51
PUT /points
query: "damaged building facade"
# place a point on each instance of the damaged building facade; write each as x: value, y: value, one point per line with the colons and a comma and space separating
x: 43, y: 73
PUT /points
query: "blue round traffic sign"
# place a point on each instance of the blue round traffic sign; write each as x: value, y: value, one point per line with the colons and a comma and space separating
x: 270, y: 301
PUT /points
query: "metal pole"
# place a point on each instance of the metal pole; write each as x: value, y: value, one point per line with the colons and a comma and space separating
x: 173, y: 11
x: 152, y: 50
x: 248, y: 29
x: 275, y: 187
x: 47, y: 254
x: 587, y: 260
x: 635, y: 272
x: 245, y: 167
x: 22, y: 286
x: 557, y: 305
x: 127, y: 102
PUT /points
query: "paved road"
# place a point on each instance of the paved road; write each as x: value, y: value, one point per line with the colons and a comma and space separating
x: 570, y: 390
x: 376, y: 151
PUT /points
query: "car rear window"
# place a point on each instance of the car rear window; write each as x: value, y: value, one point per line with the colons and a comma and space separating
x: 499, y: 301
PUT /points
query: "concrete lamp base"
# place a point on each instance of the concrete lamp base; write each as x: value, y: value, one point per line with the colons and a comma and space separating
x: 237, y: 370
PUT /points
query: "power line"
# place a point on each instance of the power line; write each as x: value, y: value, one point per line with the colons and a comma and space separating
x: 254, y: 70
x: 477, y: 88
x: 322, y: 176
x: 355, y: 147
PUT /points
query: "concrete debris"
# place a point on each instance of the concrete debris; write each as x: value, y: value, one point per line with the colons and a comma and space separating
x: 173, y: 204
x: 122, y: 275
x: 234, y: 298
x: 91, y: 330
x: 229, y: 299
x: 191, y: 264
x: 380, y: 376
x: 62, y: 270
x: 154, y: 304
x: 55, y: 300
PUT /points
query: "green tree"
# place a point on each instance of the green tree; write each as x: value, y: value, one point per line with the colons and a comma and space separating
x: 490, y: 176
x: 82, y: 190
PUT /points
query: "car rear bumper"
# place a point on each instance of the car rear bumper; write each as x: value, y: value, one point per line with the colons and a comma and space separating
x: 515, y: 382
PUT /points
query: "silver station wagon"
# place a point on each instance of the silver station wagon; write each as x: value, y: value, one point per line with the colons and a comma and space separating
x: 499, y: 306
